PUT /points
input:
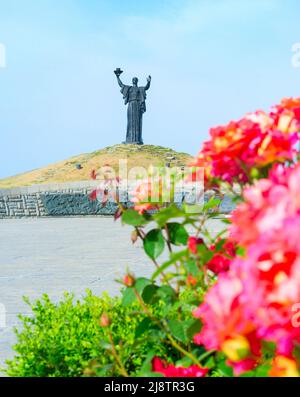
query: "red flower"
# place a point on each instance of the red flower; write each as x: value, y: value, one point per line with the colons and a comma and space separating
x: 218, y: 264
x: 222, y: 259
x: 193, y: 242
x: 169, y: 370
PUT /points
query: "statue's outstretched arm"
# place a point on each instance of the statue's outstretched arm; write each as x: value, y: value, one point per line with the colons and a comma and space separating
x: 147, y: 86
x: 120, y: 82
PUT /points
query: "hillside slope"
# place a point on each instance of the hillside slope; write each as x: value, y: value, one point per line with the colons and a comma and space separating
x: 68, y: 170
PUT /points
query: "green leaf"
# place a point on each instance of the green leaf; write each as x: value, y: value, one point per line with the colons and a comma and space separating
x: 219, y: 245
x: 204, y: 253
x: 147, y: 364
x: 148, y: 294
x: 192, y: 327
x: 191, y: 267
x: 177, y: 330
x: 226, y: 221
x: 192, y: 209
x: 165, y: 214
x: 224, y: 369
x: 154, y: 243
x: 146, y: 369
x: 166, y: 292
x: 262, y: 371
x: 184, y: 362
x: 296, y: 351
x: 174, y: 258
x: 178, y: 234
x: 141, y: 283
x: 142, y: 327
x: 248, y: 374
x: 210, y: 362
x: 211, y: 204
x: 133, y: 218
x: 128, y: 297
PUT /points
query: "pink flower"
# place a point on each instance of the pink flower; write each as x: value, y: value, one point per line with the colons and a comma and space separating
x: 268, y: 204
x: 169, y: 370
x: 252, y: 302
x: 225, y: 314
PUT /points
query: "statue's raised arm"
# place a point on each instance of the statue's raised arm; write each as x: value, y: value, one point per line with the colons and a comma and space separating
x: 147, y: 86
x: 120, y: 82
x: 118, y: 72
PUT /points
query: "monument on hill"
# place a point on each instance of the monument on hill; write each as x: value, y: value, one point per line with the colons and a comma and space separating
x: 135, y: 97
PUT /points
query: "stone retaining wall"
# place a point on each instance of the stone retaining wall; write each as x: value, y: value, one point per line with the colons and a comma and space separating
x: 66, y: 199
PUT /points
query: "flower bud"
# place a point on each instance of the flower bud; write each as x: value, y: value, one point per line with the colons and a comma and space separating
x: 104, y: 320
x: 191, y: 280
x: 129, y: 280
x: 134, y: 236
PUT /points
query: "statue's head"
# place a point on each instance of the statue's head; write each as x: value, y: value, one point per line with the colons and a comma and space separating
x: 135, y: 81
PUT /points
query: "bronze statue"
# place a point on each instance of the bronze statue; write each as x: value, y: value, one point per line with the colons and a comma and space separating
x: 135, y: 97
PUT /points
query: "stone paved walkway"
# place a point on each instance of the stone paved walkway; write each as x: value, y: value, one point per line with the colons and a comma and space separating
x: 54, y: 255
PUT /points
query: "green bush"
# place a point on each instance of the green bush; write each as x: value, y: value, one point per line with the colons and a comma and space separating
x: 65, y: 339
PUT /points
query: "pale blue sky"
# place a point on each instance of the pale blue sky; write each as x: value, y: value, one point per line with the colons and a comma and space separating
x: 210, y: 61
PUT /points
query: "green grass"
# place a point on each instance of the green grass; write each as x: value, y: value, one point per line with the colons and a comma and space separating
x: 66, y: 171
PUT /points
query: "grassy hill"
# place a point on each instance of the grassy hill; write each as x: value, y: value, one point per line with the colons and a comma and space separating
x: 67, y: 170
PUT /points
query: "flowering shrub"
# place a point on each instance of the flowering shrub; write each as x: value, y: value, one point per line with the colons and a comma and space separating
x: 222, y: 303
x: 245, y: 280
